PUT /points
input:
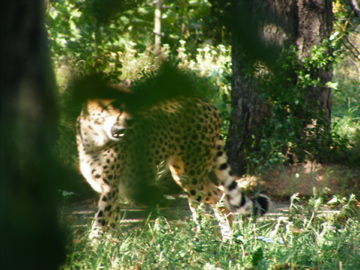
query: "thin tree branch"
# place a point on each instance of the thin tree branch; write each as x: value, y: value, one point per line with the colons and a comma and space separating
x: 355, y: 7
x: 352, y: 49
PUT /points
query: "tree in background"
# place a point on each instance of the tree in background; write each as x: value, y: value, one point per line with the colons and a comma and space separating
x: 276, y: 89
x: 30, y: 234
x: 157, y: 27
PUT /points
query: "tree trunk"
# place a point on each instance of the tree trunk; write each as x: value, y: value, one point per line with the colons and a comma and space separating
x: 314, y: 20
x: 30, y: 234
x: 157, y: 27
x: 260, y: 30
x: 248, y: 114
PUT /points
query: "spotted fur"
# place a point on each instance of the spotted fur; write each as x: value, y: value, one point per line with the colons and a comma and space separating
x: 184, y: 133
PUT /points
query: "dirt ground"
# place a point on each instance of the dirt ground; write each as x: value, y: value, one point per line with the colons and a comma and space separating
x: 304, y: 178
x: 81, y: 213
x: 279, y: 184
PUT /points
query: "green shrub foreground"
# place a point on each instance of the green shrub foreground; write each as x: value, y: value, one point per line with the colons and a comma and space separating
x: 305, y: 237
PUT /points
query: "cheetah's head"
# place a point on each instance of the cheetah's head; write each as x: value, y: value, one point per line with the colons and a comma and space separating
x: 116, y: 126
x: 109, y: 121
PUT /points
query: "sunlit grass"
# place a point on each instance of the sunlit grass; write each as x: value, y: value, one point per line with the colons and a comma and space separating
x: 302, y: 238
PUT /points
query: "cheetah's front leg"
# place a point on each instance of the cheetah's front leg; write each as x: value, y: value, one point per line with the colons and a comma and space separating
x: 98, y: 224
x: 107, y: 216
x: 224, y: 219
x: 197, y: 209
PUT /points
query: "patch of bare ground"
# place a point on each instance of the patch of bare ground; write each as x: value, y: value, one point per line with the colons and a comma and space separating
x: 303, y: 178
x: 282, y: 182
x: 80, y: 214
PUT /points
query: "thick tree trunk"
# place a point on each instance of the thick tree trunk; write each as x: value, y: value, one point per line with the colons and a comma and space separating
x: 248, y: 114
x: 30, y: 234
x: 260, y: 30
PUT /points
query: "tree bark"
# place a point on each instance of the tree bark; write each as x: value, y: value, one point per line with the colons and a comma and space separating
x: 157, y: 27
x: 260, y: 30
x: 30, y: 235
x: 314, y: 20
x: 248, y: 114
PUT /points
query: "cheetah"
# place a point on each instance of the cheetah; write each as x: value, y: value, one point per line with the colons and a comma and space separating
x: 183, y: 132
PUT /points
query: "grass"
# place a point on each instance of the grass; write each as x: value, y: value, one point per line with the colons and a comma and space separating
x: 302, y: 238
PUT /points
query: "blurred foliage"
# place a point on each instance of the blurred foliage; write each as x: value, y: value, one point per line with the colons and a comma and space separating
x: 290, y: 112
x: 346, y: 94
x: 116, y: 38
x: 102, y: 36
x: 346, y: 85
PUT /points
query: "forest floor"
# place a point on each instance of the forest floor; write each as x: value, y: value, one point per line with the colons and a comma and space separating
x: 80, y: 214
x: 280, y: 185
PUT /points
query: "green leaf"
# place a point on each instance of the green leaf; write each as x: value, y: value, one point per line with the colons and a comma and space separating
x: 257, y: 256
x: 332, y: 85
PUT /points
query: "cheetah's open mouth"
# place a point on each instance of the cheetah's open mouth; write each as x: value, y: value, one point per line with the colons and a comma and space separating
x: 117, y: 132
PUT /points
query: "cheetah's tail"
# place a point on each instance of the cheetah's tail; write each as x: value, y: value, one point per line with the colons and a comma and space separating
x: 239, y: 203
x: 235, y: 198
x: 261, y: 204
